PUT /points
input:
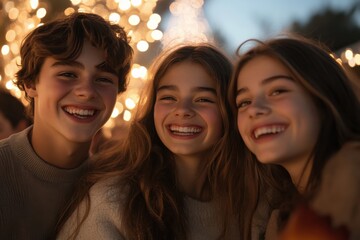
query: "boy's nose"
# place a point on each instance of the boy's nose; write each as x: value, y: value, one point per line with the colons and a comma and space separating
x: 85, y: 90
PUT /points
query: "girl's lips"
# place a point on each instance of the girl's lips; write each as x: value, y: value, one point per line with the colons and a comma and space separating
x: 269, y: 129
x: 181, y: 130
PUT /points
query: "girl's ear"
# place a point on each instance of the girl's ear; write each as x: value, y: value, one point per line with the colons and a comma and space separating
x: 31, y: 90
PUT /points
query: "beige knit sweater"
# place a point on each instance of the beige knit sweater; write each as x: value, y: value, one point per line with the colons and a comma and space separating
x: 105, y: 221
x: 31, y: 191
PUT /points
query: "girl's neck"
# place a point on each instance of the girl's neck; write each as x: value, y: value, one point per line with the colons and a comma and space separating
x: 300, y: 175
x: 191, y: 176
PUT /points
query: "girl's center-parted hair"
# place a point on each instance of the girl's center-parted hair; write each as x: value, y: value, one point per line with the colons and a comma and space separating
x: 154, y: 207
x: 63, y: 39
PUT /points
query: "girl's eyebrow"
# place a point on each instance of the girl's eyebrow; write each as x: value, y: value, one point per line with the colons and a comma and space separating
x: 264, y: 82
x: 195, y: 89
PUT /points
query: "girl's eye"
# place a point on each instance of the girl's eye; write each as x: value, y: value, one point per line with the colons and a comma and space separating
x: 166, y: 98
x: 278, y: 91
x: 242, y: 104
x: 205, y: 100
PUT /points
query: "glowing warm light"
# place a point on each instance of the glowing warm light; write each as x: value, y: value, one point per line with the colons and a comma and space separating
x: 130, y: 103
x: 115, y: 113
x: 136, y: 3
x: 187, y: 24
x: 34, y: 4
x: 5, y: 50
x: 13, y: 13
x: 136, y: 16
x: 142, y: 46
x: 124, y: 5
x: 134, y: 20
x: 357, y: 59
x: 9, y: 85
x: 349, y: 54
x: 351, y: 62
x: 155, y: 17
x: 143, y: 72
x: 75, y: 2
x: 135, y: 73
x: 41, y: 13
x: 15, y: 49
x: 114, y: 17
x: 152, y: 25
x: 10, y: 35
x: 197, y: 3
x: 156, y: 35
x: 127, y: 115
x: 119, y: 106
x: 108, y: 125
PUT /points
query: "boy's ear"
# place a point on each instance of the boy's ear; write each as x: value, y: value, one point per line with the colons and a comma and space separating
x: 31, y: 90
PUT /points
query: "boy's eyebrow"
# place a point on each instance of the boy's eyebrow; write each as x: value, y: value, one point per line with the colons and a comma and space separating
x: 196, y: 89
x: 263, y: 82
x: 103, y: 66
x: 68, y: 63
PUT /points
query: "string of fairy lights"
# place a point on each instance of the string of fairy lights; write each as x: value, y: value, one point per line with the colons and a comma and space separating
x: 136, y: 16
x: 186, y: 23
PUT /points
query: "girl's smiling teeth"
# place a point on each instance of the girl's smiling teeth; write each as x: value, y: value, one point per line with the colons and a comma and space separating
x: 268, y: 130
x: 188, y: 130
x: 78, y: 112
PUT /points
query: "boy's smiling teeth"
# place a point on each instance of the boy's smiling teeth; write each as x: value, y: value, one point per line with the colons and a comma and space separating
x: 79, y: 112
x: 268, y: 130
x: 184, y: 130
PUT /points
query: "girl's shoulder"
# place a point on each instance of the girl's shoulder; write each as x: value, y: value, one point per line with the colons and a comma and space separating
x: 338, y: 195
x: 108, y: 191
x: 346, y: 160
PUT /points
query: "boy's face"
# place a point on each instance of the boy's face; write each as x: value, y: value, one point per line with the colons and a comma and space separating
x: 73, y: 99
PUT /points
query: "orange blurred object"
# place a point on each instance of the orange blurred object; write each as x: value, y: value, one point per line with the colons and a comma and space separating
x: 306, y: 224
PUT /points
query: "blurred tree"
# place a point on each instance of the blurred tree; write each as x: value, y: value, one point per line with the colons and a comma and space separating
x: 336, y: 28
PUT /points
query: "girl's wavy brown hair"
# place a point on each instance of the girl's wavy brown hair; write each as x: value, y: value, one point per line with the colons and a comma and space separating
x: 154, y: 205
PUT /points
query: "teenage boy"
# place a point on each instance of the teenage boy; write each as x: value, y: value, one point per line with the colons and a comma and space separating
x: 71, y: 71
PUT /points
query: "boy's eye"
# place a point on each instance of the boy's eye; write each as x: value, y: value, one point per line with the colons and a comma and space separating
x: 67, y: 75
x: 105, y: 80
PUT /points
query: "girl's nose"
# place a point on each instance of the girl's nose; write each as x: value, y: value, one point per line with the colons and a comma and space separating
x: 259, y: 107
x: 184, y: 109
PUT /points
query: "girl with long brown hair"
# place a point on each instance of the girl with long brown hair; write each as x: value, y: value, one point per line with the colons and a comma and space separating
x: 164, y: 181
x: 297, y: 111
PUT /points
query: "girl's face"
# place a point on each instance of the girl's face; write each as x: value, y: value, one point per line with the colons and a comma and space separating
x: 276, y: 116
x: 186, y: 112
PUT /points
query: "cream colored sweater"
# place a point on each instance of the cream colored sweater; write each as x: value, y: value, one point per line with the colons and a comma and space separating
x: 105, y: 221
x: 31, y: 191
